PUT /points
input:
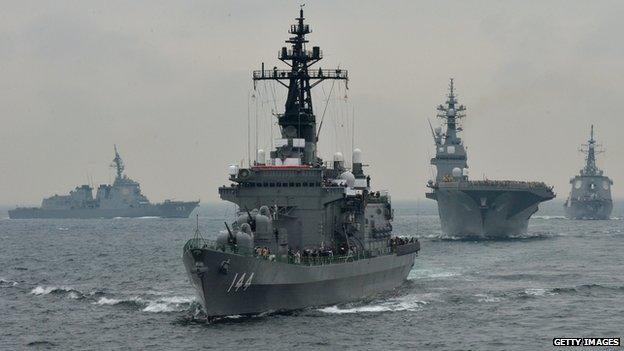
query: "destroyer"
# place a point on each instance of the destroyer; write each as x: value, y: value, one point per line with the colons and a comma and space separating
x: 484, y: 208
x: 122, y: 199
x: 308, y: 234
x: 590, y: 196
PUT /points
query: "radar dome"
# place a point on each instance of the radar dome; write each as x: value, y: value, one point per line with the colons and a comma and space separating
x: 357, y: 156
x: 233, y: 170
x: 261, y: 159
x: 349, y: 178
x: 338, y: 157
x: 457, y: 172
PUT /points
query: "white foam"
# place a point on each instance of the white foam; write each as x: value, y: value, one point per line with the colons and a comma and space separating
x: 405, y: 303
x: 73, y: 295
x: 430, y: 273
x: 168, y: 304
x: 40, y: 290
x: 106, y: 301
x: 8, y: 282
x: 488, y: 298
x: 177, y: 300
x: 159, y: 307
x: 538, y: 292
x: 549, y: 217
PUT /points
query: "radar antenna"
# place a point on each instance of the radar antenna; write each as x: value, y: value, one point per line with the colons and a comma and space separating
x: 298, y: 120
x: 591, y: 149
x: 451, y: 114
x: 118, y: 164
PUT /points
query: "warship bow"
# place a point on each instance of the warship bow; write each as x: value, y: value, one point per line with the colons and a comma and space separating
x: 590, y: 196
x: 481, y: 208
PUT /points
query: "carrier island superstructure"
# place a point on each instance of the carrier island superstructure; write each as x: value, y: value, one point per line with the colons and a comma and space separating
x: 476, y: 208
x: 590, y: 196
x: 308, y: 233
x: 123, y: 198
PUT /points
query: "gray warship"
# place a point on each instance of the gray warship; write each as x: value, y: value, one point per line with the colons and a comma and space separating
x: 308, y: 233
x: 590, y: 196
x: 121, y: 199
x: 476, y: 208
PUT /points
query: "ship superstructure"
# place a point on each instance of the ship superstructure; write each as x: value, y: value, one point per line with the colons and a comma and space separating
x: 482, y: 208
x: 307, y: 233
x: 590, y: 195
x: 121, y: 199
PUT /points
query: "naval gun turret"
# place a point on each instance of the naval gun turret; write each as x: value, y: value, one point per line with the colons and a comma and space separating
x: 590, y: 194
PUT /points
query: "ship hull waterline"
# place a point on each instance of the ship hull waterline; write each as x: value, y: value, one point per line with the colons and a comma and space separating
x: 161, y: 210
x: 589, y: 209
x: 503, y: 214
x: 253, y: 286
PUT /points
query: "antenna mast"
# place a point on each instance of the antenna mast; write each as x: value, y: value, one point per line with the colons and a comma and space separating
x: 118, y: 164
x: 298, y: 120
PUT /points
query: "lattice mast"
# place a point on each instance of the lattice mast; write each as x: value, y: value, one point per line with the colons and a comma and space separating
x: 298, y: 120
x: 451, y: 113
x: 591, y: 149
x: 118, y: 164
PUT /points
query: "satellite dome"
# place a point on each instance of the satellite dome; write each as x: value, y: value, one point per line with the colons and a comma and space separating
x: 338, y: 157
x: 233, y: 170
x: 349, y: 178
x: 261, y: 159
x: 457, y: 172
x: 357, y: 156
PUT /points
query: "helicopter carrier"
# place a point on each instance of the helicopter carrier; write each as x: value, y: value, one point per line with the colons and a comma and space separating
x: 590, y: 196
x: 308, y: 233
x: 476, y: 208
x: 121, y: 199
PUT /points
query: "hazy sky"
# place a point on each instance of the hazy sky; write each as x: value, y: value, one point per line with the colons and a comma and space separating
x: 168, y: 82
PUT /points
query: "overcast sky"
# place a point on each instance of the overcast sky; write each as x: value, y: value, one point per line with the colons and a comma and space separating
x: 168, y: 82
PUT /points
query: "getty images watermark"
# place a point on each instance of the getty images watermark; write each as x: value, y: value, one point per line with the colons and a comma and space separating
x: 586, y: 342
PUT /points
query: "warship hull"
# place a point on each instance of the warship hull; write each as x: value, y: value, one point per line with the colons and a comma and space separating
x: 253, y: 285
x: 489, y: 212
x: 588, y: 209
x: 164, y: 210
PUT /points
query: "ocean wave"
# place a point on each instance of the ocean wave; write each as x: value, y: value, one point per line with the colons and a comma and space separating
x: 549, y: 217
x: 539, y: 292
x: 431, y: 274
x: 7, y: 283
x: 539, y: 235
x: 403, y: 303
x: 45, y: 290
x: 488, y: 298
x: 589, y: 289
x: 165, y: 304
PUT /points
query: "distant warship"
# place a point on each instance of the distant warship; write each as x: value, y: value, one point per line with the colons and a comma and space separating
x: 482, y: 208
x: 307, y: 234
x: 122, y: 199
x: 590, y: 197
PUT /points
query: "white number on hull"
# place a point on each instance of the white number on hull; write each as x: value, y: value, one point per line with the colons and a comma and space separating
x: 238, y: 283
